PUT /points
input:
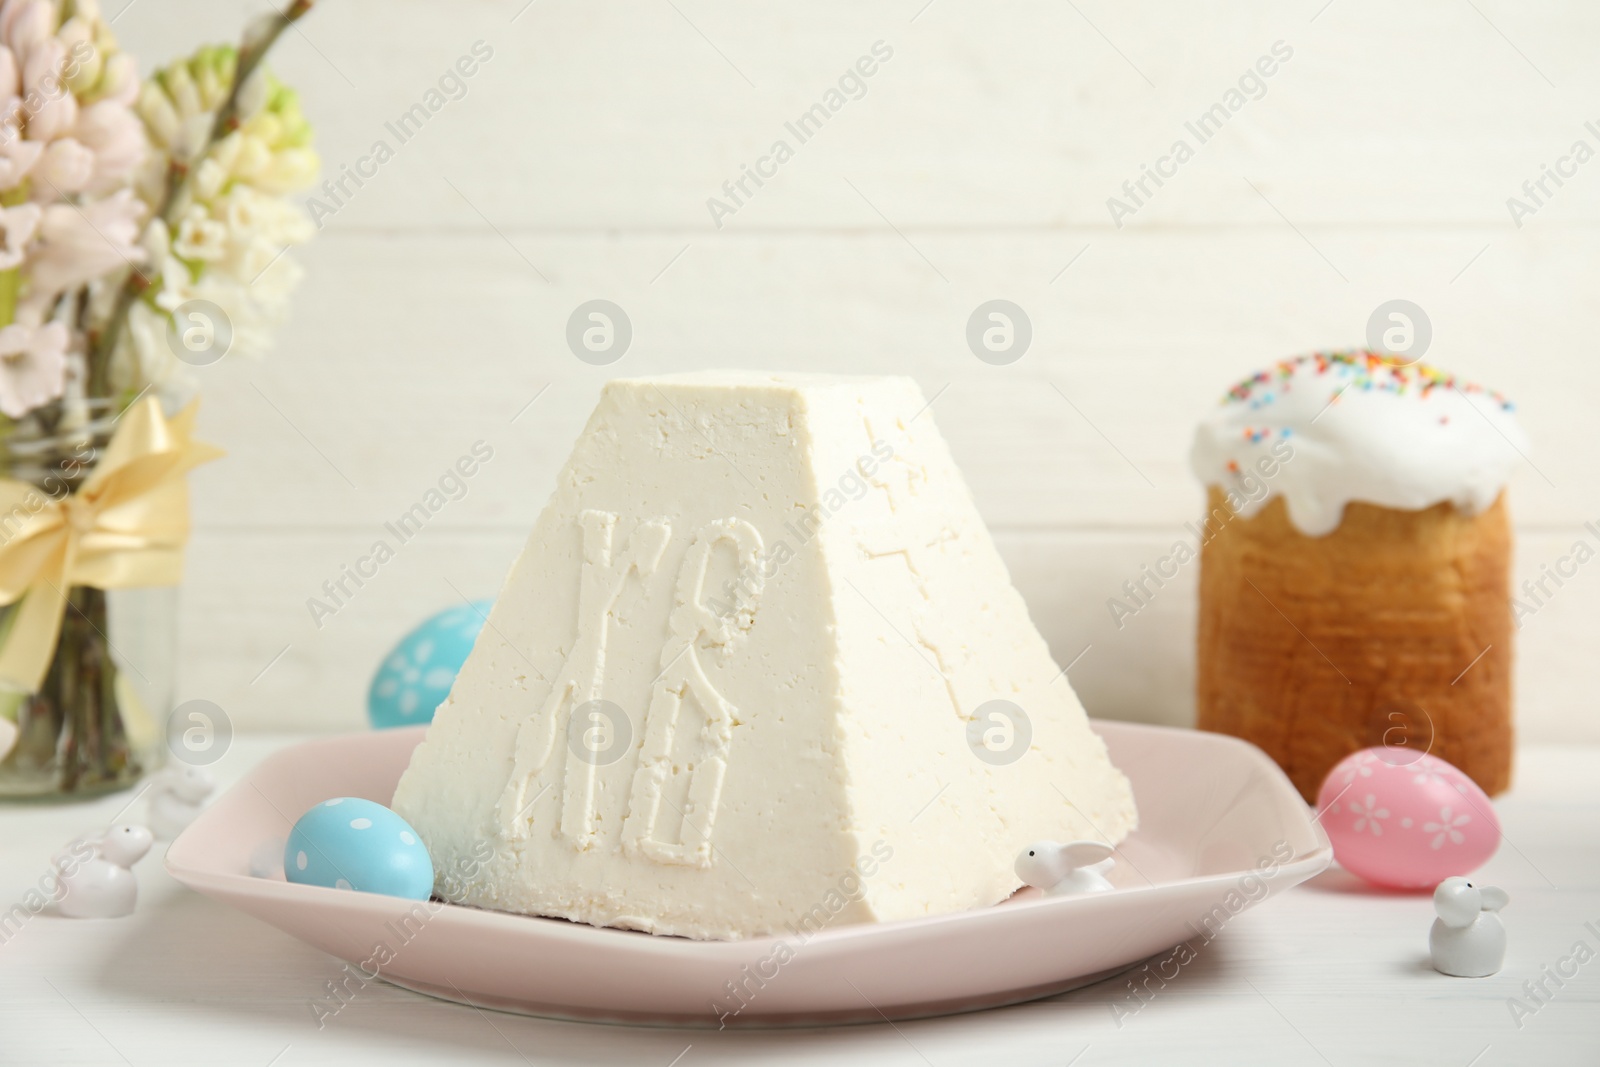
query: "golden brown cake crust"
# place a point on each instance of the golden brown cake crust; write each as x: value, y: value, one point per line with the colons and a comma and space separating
x: 1394, y: 627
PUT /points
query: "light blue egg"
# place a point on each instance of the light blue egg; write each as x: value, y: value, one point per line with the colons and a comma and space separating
x: 350, y: 843
x: 417, y: 675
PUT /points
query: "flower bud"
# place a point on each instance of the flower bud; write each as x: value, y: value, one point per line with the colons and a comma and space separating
x: 180, y: 86
x: 159, y: 116
x: 291, y: 170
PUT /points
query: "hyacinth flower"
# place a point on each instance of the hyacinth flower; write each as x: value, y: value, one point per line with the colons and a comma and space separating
x: 122, y: 200
x: 222, y: 233
x: 69, y: 146
x: 125, y: 205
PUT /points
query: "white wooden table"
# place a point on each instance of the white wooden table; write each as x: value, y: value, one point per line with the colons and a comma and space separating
x: 1330, y: 973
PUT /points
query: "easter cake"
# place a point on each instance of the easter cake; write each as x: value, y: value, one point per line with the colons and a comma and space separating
x: 1355, y: 576
x: 758, y: 668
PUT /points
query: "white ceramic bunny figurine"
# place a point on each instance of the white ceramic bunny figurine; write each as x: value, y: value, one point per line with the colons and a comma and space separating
x: 175, y: 799
x: 1468, y: 939
x: 97, y: 882
x: 1060, y: 869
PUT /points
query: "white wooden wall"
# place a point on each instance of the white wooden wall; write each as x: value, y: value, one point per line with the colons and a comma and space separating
x: 1376, y: 165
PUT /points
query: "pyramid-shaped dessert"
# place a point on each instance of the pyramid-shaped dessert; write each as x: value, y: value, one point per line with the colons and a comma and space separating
x: 758, y: 668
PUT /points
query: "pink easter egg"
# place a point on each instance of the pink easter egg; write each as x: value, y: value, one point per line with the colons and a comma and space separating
x: 1404, y: 819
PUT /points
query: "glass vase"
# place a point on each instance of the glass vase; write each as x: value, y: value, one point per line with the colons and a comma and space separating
x: 95, y: 724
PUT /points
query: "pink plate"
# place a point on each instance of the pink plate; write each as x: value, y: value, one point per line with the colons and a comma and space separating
x: 1221, y: 828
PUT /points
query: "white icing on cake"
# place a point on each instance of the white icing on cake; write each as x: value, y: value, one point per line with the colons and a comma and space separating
x: 1327, y: 429
x: 783, y: 585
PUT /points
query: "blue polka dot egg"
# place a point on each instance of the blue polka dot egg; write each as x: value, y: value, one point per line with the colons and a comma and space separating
x: 417, y: 676
x: 350, y: 843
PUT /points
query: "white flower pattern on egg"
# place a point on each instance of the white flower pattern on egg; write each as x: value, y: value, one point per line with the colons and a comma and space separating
x: 1368, y: 814
x: 1412, y: 822
x: 417, y: 676
x: 408, y: 672
x: 1360, y: 768
x: 1446, y: 829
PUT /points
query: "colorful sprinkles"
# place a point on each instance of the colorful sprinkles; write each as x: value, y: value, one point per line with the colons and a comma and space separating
x: 1356, y: 369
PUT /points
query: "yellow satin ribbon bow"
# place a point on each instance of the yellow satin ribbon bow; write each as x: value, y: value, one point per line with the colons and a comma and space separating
x: 125, y: 526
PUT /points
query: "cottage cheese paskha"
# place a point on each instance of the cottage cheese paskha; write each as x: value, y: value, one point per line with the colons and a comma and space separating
x: 743, y: 679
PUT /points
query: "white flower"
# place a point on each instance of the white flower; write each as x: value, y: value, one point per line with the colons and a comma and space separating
x: 65, y: 167
x: 10, y: 77
x: 173, y: 381
x: 1367, y: 815
x: 231, y: 252
x: 184, y: 92
x: 177, y: 288
x: 250, y: 155
x: 289, y: 171
x: 114, y: 132
x: 269, y: 150
x: 17, y: 157
x: 65, y: 81
x: 33, y: 366
x: 56, y: 111
x: 231, y: 226
x: 179, y: 103
x: 160, y: 117
x: 254, y: 310
x: 78, y: 245
x: 200, y: 236
x: 77, y: 37
x: 24, y: 23
x: 209, y: 178
x: 120, y: 82
x: 270, y: 218
x: 17, y: 227
x: 1446, y: 828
